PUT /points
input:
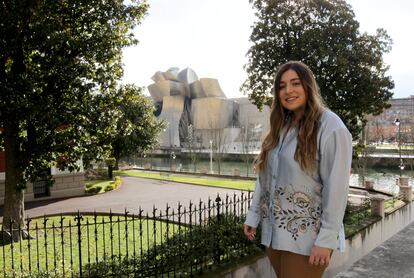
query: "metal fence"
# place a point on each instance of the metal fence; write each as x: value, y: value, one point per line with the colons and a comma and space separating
x: 173, y: 242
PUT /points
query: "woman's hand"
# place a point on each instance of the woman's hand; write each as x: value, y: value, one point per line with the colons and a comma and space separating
x: 250, y: 232
x: 320, y: 256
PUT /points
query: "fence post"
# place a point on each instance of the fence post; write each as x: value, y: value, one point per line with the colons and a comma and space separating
x: 218, y: 200
x: 403, y: 181
x: 406, y: 191
x: 377, y: 206
x: 217, y: 250
x: 78, y: 219
x: 209, y: 211
x: 154, y: 235
x: 369, y: 184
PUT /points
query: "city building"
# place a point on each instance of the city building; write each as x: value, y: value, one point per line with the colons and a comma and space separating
x: 382, y: 128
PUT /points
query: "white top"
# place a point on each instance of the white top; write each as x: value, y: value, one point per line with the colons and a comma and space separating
x: 298, y: 210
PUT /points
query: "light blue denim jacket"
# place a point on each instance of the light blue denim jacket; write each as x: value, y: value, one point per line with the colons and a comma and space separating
x: 298, y: 210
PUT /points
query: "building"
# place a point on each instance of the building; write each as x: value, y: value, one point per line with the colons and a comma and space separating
x: 200, y: 115
x: 66, y: 184
x: 383, y: 128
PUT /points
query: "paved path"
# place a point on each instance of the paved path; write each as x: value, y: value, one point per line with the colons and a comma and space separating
x: 133, y: 193
x: 392, y: 259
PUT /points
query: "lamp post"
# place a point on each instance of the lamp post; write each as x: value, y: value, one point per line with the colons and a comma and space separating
x: 397, y: 122
x: 143, y: 160
x: 211, y: 156
x: 172, y: 159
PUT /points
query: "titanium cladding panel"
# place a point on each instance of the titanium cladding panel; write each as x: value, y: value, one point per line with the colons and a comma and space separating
x: 211, y: 87
x: 167, y: 88
x: 172, y: 109
x: 159, y: 90
x: 187, y: 76
x: 212, y: 113
x: 196, y: 91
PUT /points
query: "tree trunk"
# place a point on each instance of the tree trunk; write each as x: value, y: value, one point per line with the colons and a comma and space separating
x: 13, y: 215
x: 110, y: 172
x: 116, y: 166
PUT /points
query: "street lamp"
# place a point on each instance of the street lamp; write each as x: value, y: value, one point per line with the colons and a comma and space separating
x: 172, y: 157
x: 211, y: 156
x: 165, y: 135
x: 397, y: 122
x: 142, y: 160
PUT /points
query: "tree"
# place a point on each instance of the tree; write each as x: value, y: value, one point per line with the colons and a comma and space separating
x: 348, y: 65
x: 193, y: 146
x: 219, y: 137
x: 137, y: 127
x: 59, y: 62
x: 246, y: 139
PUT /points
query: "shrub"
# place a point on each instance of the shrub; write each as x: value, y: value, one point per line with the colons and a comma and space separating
x: 98, y: 188
x: 89, y: 185
x: 109, y: 187
x: 90, y: 190
x: 117, y: 182
x: 218, y: 242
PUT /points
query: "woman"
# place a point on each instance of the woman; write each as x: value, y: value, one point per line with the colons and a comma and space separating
x: 303, y: 175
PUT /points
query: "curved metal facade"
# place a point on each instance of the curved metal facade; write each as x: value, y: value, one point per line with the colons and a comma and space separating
x: 172, y: 108
x: 186, y: 100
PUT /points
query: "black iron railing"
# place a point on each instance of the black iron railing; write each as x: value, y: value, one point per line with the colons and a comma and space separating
x: 174, y: 242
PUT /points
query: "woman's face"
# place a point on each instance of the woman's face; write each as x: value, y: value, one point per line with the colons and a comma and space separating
x: 292, y: 94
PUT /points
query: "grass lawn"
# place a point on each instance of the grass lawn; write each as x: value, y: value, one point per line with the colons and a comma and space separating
x: 213, y: 181
x: 54, y: 247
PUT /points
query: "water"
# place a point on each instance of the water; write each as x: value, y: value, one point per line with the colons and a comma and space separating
x: 384, y: 179
x: 186, y: 165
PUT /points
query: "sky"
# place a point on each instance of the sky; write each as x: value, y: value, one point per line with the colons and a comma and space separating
x: 212, y: 38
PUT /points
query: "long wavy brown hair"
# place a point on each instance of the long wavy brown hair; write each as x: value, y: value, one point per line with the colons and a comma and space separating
x: 308, y: 125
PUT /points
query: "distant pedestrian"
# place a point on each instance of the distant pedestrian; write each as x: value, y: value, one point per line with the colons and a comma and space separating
x: 303, y: 177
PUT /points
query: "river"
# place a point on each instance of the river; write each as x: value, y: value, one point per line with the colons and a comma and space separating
x: 384, y: 178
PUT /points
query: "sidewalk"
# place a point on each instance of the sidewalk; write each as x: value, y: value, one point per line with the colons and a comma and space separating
x: 392, y: 259
x: 135, y: 193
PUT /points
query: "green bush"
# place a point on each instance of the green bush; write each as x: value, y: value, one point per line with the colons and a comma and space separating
x: 214, y: 244
x: 90, y: 190
x: 89, y: 185
x: 117, y: 182
x: 94, y: 189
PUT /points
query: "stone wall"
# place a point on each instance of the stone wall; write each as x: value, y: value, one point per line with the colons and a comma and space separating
x: 66, y: 185
x: 356, y: 247
x: 366, y: 240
